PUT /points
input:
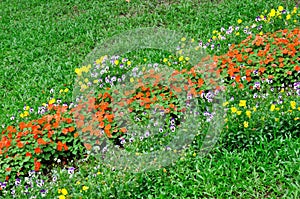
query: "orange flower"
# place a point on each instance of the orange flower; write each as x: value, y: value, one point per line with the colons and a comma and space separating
x: 41, y: 141
x: 28, y: 154
x: 37, y: 165
x: 20, y: 144
x: 37, y: 150
x: 297, y: 68
x: 88, y: 146
x: 61, y: 145
x: 65, y: 131
x: 76, y: 135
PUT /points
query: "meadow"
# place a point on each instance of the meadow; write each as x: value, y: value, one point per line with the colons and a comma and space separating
x: 218, y: 101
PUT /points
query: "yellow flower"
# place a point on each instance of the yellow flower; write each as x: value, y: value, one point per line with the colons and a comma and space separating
x: 272, y: 13
x: 194, y: 154
x: 78, y: 71
x: 131, y: 79
x: 293, y: 104
x: 86, y: 80
x: 237, y: 34
x: 225, y: 103
x: 128, y: 63
x: 183, y: 39
x: 181, y: 58
x: 226, y: 120
x: 26, y: 113
x: 98, y: 173
x: 239, y: 112
x: 295, y: 21
x: 272, y: 107
x: 254, y: 109
x: 296, y: 118
x: 85, y: 188
x: 277, y: 108
x: 246, y: 124
x: 78, y: 182
x: 214, y: 37
x: 165, y: 60
x: 187, y: 58
x: 262, y: 16
x: 278, y: 13
x: 290, y: 111
x: 22, y: 115
x: 116, y: 62
x: 248, y: 113
x: 239, y: 21
x: 242, y: 103
x: 66, y: 90
x: 288, y: 17
x: 298, y: 108
x: 192, y: 40
x: 95, y: 81
x: 64, y: 191
x: 164, y: 170
x: 280, y: 8
x: 214, y: 32
x: 233, y: 109
x: 61, y: 197
x: 145, y: 59
x: 261, y: 33
x: 85, y: 69
x: 276, y: 119
x: 51, y: 101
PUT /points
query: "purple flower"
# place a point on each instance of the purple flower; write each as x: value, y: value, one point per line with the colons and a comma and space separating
x: 172, y: 128
x: 18, y: 182
x: 147, y: 134
x: 71, y: 170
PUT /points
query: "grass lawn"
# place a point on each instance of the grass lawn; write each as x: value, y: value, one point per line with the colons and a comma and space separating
x: 53, y: 55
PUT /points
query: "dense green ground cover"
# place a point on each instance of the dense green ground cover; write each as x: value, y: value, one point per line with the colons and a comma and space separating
x: 43, y: 43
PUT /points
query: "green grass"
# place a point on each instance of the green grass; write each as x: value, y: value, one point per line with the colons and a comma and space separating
x: 42, y: 42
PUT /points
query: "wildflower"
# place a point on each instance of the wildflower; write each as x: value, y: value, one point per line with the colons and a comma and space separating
x: 248, y: 113
x: 63, y: 191
x: 272, y: 107
x: 246, y: 124
x: 293, y: 104
x: 242, y: 103
x: 61, y: 197
x: 71, y: 170
x: 272, y: 13
x: 52, y: 101
x: 288, y: 17
x: 276, y: 119
x: 233, y: 110
x: 225, y: 103
x: 85, y: 188
x: 239, y: 21
x: 239, y: 112
x: 280, y: 8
